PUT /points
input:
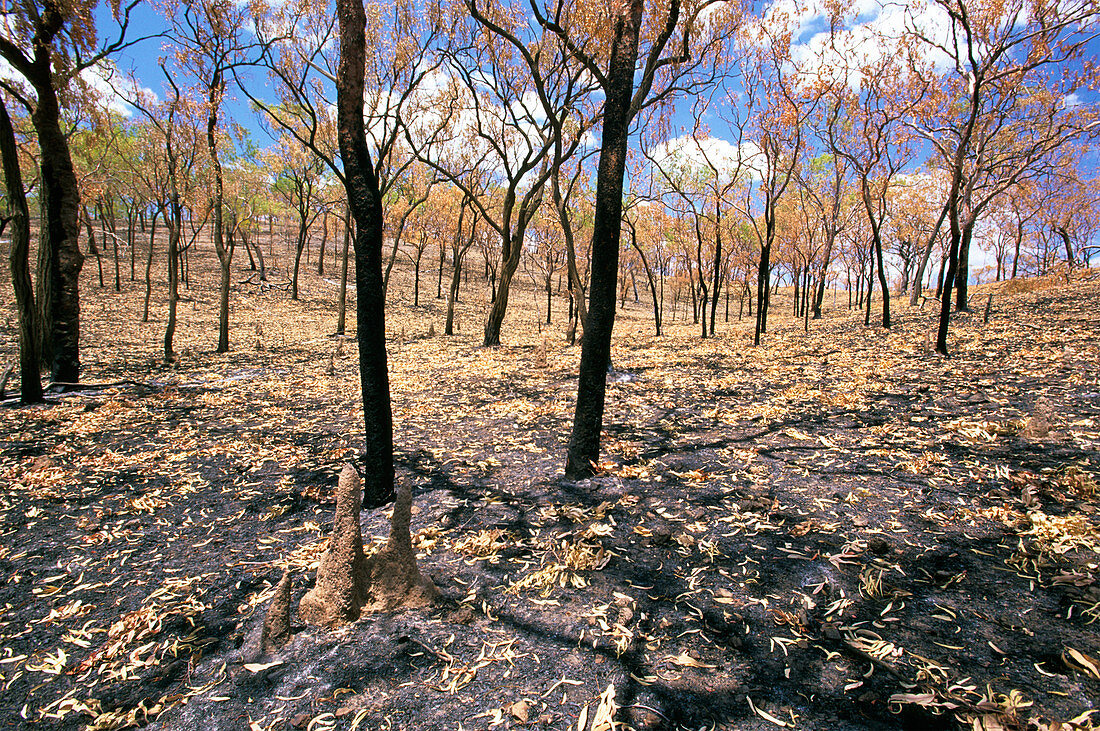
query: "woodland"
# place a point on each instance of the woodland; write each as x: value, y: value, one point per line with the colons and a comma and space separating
x: 696, y: 365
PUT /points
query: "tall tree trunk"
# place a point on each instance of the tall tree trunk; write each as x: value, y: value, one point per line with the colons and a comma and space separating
x: 175, y: 229
x: 30, y: 382
x: 1016, y: 256
x: 131, y: 217
x: 762, y: 290
x: 870, y: 286
x: 225, y: 253
x: 962, y: 272
x: 948, y: 283
x: 1064, y: 235
x: 149, y: 267
x: 717, y: 283
x: 324, y: 243
x: 59, y: 236
x: 251, y: 245
x: 439, y: 276
x: 549, y: 294
x: 365, y: 202
x: 92, y: 247
x: 882, y: 283
x: 917, y: 288
x: 342, y: 297
x: 452, y: 296
x: 570, y: 247
x: 511, y: 251
x: 109, y: 220
x: 303, y: 234
x: 584, y: 442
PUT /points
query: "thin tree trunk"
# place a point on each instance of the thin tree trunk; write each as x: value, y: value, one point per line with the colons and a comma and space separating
x: 962, y: 273
x: 30, y: 382
x: 584, y: 442
x: 149, y: 267
x: 324, y: 243
x: 342, y: 297
x: 225, y: 253
x: 92, y: 247
x: 365, y: 202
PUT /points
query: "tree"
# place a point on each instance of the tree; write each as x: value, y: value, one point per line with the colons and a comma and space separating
x: 298, y: 183
x: 682, y: 48
x: 296, y: 41
x: 703, y: 173
x: 824, y: 182
x: 392, y: 574
x: 173, y: 152
x: 49, y: 43
x: 1000, y: 106
x: 778, y: 102
x: 18, y: 218
x: 504, y: 113
x: 211, y: 46
x: 876, y: 150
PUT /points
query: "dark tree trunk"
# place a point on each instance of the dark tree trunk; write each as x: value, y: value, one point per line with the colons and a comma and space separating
x: 762, y: 290
x: 60, y: 235
x: 458, y: 251
x: 945, y: 293
x: 30, y: 382
x: 131, y: 216
x: 549, y: 294
x: 149, y: 267
x: 452, y: 296
x: 324, y: 244
x: 940, y: 276
x: 882, y: 283
x: 717, y: 282
x: 870, y: 287
x: 342, y: 297
x: 93, y: 248
x: 108, y: 222
x: 303, y: 234
x: 512, y: 249
x: 876, y: 259
x: 253, y: 245
x: 225, y: 253
x: 1016, y: 256
x: 914, y: 296
x: 651, y: 280
x: 439, y: 275
x: 576, y: 286
x: 175, y: 229
x: 365, y: 203
x: 962, y: 272
x: 584, y: 442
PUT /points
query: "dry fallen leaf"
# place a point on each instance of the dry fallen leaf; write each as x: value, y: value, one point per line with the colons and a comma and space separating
x: 1080, y: 661
x: 521, y: 710
x: 604, y: 719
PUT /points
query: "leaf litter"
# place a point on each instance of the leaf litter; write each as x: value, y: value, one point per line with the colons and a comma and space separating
x: 832, y: 531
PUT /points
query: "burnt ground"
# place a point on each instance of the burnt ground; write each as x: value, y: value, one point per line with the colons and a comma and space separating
x: 836, y: 530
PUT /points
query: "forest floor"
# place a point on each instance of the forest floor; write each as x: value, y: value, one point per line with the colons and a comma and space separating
x: 835, y: 530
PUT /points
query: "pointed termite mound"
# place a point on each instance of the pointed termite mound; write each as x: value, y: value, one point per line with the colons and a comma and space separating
x: 341, y: 588
x: 1041, y: 421
x: 276, y: 631
x: 394, y: 579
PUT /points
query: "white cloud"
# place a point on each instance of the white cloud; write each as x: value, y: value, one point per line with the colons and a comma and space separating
x: 689, y: 155
x: 111, y: 88
x: 870, y: 31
